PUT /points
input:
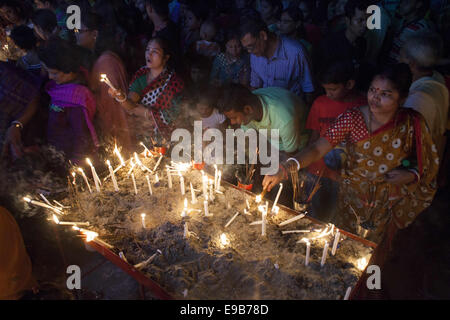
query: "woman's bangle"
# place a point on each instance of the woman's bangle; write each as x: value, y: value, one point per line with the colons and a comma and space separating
x: 416, y: 175
x: 296, y: 161
x: 121, y: 101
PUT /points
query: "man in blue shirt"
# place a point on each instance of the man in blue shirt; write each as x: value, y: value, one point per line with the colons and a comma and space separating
x: 276, y: 61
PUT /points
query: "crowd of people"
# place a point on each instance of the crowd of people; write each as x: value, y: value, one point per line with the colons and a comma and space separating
x: 364, y: 111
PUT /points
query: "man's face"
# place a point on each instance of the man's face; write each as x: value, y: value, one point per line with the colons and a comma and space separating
x: 358, y: 23
x: 237, y: 118
x: 255, y: 45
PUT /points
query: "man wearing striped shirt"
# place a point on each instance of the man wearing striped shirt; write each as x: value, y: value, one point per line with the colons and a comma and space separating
x: 276, y: 61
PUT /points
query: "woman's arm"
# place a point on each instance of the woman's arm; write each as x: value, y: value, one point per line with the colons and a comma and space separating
x: 130, y: 102
x: 305, y: 157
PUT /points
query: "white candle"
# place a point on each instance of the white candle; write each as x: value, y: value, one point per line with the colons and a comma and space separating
x: 186, y: 231
x: 169, y: 178
x: 275, y: 210
x: 156, y: 180
x: 205, y: 205
x: 113, y: 177
x: 183, y: 191
x: 211, y: 192
x: 324, y: 254
x: 347, y: 293
x: 308, y: 250
x: 291, y: 220
x: 215, y: 177
x: 146, y: 149
x: 134, y: 183
x: 66, y: 223
x: 194, y: 198
x: 264, y: 213
x: 232, y: 219
x: 205, y: 186
x: 277, y: 197
x: 157, y: 163
x: 74, y: 178
x: 45, y: 199
x: 138, y: 161
x: 143, y: 220
x: 85, y: 179
x: 116, y: 151
x: 149, y: 184
x: 94, y: 175
x: 218, y: 180
x: 43, y: 205
x: 248, y: 204
x: 185, y: 209
x: 335, y: 243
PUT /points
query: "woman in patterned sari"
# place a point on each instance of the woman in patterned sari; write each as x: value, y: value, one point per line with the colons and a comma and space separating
x: 391, y: 164
x: 153, y: 98
x: 389, y: 176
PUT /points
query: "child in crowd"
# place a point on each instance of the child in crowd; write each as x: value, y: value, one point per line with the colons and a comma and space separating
x: 72, y: 107
x: 203, y: 101
x: 207, y: 46
x: 25, y: 40
x: 270, y: 11
x: 338, y: 80
x: 231, y: 66
x: 194, y: 17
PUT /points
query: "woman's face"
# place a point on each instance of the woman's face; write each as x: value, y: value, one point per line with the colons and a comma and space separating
x: 191, y: 21
x: 287, y: 24
x: 58, y: 76
x: 155, y: 56
x: 234, y: 48
x: 85, y: 37
x: 266, y: 10
x: 9, y: 14
x: 382, y: 96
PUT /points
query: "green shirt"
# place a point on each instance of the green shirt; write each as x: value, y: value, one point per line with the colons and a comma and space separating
x: 285, y: 111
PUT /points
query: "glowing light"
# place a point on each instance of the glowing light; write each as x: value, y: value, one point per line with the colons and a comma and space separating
x: 224, y: 241
x: 258, y: 199
x: 361, y: 264
x: 55, y: 218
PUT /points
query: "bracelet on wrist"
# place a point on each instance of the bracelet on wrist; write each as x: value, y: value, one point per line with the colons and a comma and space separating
x: 296, y: 161
x: 121, y: 100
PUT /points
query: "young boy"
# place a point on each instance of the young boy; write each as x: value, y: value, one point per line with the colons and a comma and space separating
x: 338, y: 80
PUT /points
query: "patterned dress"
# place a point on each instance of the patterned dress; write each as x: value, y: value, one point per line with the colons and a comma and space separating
x: 366, y: 199
x: 227, y: 70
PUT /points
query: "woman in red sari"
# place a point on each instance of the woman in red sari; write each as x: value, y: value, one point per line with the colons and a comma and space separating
x: 154, y: 93
x: 389, y: 176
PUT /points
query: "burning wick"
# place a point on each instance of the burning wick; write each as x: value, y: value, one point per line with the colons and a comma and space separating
x: 143, y: 220
x: 104, y: 78
x: 85, y: 179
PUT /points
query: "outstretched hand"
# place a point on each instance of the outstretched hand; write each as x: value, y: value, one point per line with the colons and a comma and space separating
x: 271, y: 181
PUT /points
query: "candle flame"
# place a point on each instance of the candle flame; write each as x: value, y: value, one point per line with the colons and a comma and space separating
x: 361, y: 264
x: 224, y: 240
x: 108, y: 163
x: 89, y: 161
x: 73, y: 174
x: 103, y: 77
x: 258, y: 199
x: 143, y: 216
x: 27, y: 199
x: 81, y: 170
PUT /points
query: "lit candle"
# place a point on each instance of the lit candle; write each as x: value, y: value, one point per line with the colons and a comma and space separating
x: 92, y: 236
x: 335, y: 243
x: 138, y: 161
x: 324, y: 254
x: 149, y: 184
x: 218, y: 180
x: 116, y: 151
x: 215, y: 176
x: 156, y: 180
x: 134, y: 183
x: 113, y: 177
x: 205, y: 186
x: 211, y: 192
x: 85, y: 179
x: 146, y: 149
x: 308, y: 250
x: 183, y: 191
x: 143, y: 220
x: 194, y: 198
x: 291, y: 220
x: 169, y: 178
x: 132, y: 164
x: 43, y: 205
x: 74, y: 178
x: 277, y: 197
x: 104, y: 78
x: 157, y: 163
x: 347, y: 293
x: 94, y: 175
x: 205, y: 205
x: 65, y: 223
x: 232, y: 219
x: 185, y: 209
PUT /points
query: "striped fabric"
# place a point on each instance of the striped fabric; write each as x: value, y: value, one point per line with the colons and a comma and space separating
x: 289, y: 68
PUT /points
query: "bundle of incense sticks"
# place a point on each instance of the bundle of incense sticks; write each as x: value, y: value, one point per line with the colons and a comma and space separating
x: 315, y: 187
